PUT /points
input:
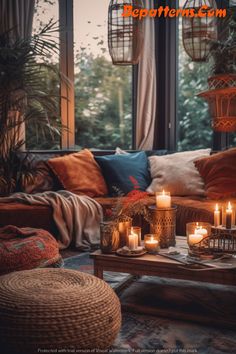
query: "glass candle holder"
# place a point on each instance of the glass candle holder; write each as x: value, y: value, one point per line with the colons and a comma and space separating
x: 136, y: 230
x: 196, y: 232
x: 151, y: 243
x: 124, y: 227
x: 109, y: 237
x: 163, y: 200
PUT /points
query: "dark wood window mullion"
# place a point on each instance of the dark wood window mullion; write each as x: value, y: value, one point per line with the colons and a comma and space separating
x: 67, y: 70
x: 166, y: 75
x: 134, y: 103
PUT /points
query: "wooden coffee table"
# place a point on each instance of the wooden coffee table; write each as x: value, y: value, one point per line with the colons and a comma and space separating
x: 160, y: 266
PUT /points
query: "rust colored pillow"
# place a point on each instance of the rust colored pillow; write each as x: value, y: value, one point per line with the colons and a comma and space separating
x: 219, y: 174
x: 79, y: 173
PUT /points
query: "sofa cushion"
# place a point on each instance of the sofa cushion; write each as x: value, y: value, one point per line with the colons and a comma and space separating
x: 219, y: 174
x: 79, y: 173
x: 177, y: 174
x: 125, y: 172
x: 42, y: 178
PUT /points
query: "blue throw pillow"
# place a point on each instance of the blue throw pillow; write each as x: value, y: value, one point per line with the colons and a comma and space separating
x: 123, y: 173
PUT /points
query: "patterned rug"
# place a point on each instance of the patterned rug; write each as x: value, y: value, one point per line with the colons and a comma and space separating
x: 142, y: 333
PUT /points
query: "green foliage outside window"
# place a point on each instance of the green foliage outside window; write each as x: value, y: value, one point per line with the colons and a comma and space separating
x: 194, y: 122
x: 103, y: 103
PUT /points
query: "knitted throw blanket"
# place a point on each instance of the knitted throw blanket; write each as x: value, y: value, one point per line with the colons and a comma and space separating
x: 76, y: 217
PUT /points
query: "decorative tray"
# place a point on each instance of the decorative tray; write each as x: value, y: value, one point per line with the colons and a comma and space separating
x: 126, y: 252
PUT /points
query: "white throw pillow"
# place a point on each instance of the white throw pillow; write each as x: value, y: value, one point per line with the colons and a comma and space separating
x: 119, y: 151
x: 176, y: 173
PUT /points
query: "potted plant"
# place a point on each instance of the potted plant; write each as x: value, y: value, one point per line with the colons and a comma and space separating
x: 24, y: 98
x: 221, y: 95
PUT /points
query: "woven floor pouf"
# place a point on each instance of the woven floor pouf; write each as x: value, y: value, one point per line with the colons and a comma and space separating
x: 56, y: 309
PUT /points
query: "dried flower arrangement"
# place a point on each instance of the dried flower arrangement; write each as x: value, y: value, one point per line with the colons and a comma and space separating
x: 129, y: 205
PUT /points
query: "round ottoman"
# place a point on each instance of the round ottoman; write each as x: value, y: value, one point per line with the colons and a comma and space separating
x: 56, y: 309
x: 27, y: 248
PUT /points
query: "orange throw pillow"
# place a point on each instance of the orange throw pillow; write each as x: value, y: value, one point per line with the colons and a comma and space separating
x: 219, y: 174
x: 79, y: 173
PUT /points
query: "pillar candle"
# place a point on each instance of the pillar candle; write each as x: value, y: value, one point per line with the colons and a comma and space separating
x: 163, y: 200
x: 229, y: 213
x: 133, y: 242
x: 216, y: 216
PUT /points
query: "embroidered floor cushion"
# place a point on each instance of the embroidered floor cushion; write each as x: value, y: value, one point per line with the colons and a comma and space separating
x: 26, y: 248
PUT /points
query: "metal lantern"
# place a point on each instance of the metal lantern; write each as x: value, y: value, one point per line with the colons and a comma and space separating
x: 199, y: 32
x: 125, y: 34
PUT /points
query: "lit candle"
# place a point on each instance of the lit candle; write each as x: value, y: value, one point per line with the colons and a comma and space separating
x: 133, y: 242
x: 229, y: 213
x: 201, y: 231
x: 163, y: 200
x: 151, y: 245
x: 216, y: 216
x: 137, y: 230
x: 194, y: 238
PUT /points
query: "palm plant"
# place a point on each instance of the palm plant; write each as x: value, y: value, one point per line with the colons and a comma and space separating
x: 25, y: 97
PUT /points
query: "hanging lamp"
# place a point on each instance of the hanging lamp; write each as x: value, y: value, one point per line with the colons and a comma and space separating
x: 125, y: 34
x: 199, y: 32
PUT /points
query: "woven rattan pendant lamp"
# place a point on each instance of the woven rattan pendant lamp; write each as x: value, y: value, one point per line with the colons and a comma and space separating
x: 125, y: 34
x: 199, y: 32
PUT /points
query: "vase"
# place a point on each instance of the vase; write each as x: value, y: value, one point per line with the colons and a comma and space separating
x: 110, y: 239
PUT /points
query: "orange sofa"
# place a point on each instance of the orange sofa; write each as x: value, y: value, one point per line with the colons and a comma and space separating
x: 188, y: 208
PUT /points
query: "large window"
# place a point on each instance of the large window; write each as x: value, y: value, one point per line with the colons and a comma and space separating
x: 103, y: 91
x: 194, y: 122
x: 100, y: 116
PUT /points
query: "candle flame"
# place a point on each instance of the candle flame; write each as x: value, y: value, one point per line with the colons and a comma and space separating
x: 197, y: 224
x: 217, y: 207
x: 229, y: 206
x: 163, y: 192
x: 152, y: 238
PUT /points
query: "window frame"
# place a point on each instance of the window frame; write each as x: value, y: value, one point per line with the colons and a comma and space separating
x: 166, y: 47
x: 67, y: 70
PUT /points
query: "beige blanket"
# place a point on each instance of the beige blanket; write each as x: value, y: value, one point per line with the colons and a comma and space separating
x: 77, y: 217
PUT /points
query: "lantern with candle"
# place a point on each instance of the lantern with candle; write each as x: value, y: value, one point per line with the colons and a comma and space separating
x: 196, y: 232
x: 163, y: 223
x: 151, y: 243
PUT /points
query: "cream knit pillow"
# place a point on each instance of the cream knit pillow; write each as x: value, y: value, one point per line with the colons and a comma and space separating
x: 176, y: 173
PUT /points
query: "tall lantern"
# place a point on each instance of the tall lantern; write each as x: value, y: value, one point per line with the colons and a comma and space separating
x: 125, y: 34
x: 199, y: 32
